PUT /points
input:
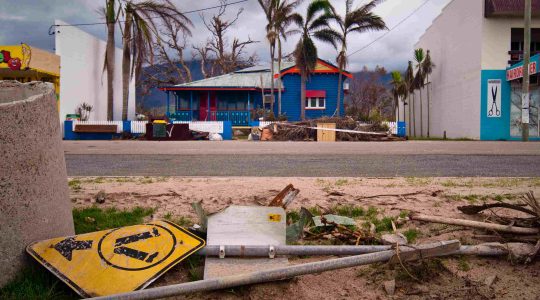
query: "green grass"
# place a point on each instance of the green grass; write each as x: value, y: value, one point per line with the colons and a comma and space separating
x: 415, y: 181
x: 36, y: 283
x: 411, y: 235
x: 463, y: 264
x: 181, y: 220
x: 350, y: 211
x: 95, y: 219
x: 341, y: 182
x: 75, y: 185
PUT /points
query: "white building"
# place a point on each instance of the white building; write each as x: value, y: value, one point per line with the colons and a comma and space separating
x: 81, y: 74
x: 472, y: 44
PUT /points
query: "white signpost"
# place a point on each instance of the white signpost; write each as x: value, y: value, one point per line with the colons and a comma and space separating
x: 494, y: 98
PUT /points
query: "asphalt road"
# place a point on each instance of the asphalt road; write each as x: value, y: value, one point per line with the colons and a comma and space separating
x: 287, y: 159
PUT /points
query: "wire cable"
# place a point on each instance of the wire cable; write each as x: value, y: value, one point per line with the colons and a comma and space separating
x: 186, y: 12
x: 390, y: 30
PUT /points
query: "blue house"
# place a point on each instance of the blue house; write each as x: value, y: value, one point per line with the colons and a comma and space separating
x: 234, y: 96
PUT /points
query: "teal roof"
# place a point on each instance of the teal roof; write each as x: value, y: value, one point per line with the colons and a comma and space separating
x: 252, y: 77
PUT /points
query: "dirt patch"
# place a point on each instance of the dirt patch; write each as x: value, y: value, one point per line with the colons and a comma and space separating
x: 455, y: 278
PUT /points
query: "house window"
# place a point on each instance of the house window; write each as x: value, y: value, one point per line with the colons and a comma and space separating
x: 315, y: 103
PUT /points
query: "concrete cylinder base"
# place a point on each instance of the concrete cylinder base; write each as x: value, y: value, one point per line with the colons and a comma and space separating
x: 34, y: 195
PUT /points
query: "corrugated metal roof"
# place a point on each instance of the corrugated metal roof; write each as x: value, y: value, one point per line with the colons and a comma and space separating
x: 509, y: 8
x: 252, y: 77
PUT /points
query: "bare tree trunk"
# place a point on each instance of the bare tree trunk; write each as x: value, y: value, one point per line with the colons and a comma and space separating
x: 421, y: 119
x: 428, y: 103
x: 272, y: 55
x: 109, y: 57
x: 414, y: 113
x: 338, y: 103
x: 410, y: 115
x: 279, y: 77
x: 126, y: 66
x: 303, y: 97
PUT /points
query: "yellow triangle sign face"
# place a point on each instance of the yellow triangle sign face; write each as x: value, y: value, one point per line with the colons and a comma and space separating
x: 115, y: 261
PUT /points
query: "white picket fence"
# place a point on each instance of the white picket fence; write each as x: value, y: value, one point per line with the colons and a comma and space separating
x: 204, y: 126
x: 119, y: 124
x: 138, y: 127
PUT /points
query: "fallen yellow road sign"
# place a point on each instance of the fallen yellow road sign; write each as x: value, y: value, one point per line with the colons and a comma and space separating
x: 118, y: 260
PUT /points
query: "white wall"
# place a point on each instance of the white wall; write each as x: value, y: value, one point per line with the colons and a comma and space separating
x: 496, y: 40
x: 81, y: 74
x: 455, y: 41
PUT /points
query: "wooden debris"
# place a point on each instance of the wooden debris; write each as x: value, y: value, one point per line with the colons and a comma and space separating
x: 285, y: 197
x: 392, y: 239
x: 475, y: 224
x: 390, y: 287
x: 400, y: 195
x: 474, y: 209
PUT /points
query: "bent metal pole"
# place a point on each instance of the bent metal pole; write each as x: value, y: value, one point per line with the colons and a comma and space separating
x: 271, y: 251
x: 403, y: 253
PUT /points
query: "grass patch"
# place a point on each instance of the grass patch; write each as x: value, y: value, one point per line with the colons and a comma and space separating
x: 194, y: 264
x: 36, y: 283
x: 424, y: 270
x: 95, y: 219
x: 415, y: 181
x: 411, y: 235
x: 341, y: 182
x: 293, y: 216
x: 350, y: 211
x: 463, y: 264
x: 404, y: 213
x: 181, y: 220
x: 75, y: 185
x: 146, y: 180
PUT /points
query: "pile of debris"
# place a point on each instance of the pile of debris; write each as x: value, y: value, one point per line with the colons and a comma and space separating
x: 356, y: 131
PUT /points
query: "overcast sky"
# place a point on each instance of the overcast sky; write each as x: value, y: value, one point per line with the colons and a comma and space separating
x: 29, y: 20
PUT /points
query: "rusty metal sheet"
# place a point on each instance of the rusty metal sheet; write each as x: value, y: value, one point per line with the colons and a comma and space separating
x: 118, y: 260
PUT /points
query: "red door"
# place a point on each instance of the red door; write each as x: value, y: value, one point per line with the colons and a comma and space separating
x: 203, y: 106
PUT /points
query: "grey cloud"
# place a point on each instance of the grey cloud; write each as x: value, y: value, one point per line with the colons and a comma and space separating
x: 28, y: 21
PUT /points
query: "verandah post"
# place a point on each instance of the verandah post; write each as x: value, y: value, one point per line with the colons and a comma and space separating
x: 191, y: 104
x: 248, y: 107
x: 208, y: 107
x: 168, y: 104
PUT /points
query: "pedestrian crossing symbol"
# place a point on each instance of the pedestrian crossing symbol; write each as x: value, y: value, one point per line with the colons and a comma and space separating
x: 115, y: 261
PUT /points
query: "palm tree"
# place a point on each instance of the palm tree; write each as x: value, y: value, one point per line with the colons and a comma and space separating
x: 140, y: 33
x: 283, y: 18
x: 359, y: 20
x: 314, y: 25
x: 409, y: 81
x: 269, y: 8
x: 399, y: 90
x: 427, y: 69
x: 420, y: 82
x: 110, y: 17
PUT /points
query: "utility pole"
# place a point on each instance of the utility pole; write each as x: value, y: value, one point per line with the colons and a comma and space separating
x: 526, y: 61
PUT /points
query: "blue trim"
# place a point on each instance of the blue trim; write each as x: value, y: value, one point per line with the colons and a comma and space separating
x: 495, y: 128
x: 127, y: 126
x: 168, y: 102
x: 227, y: 130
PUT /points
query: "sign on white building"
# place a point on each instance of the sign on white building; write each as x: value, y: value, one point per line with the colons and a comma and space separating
x: 494, y: 98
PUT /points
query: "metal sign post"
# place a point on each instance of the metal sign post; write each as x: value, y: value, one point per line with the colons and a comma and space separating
x: 526, y: 58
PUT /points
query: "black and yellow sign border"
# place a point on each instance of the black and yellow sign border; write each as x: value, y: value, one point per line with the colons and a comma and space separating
x: 82, y: 293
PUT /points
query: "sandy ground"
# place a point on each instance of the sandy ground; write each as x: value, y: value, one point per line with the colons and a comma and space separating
x: 448, y: 278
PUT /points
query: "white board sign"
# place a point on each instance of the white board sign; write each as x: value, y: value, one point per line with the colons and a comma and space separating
x: 494, y: 98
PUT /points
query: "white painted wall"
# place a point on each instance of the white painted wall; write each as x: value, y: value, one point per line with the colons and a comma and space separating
x: 455, y: 41
x: 496, y: 38
x: 81, y: 74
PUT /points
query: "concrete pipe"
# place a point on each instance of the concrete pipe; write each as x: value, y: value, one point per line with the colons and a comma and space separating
x: 34, y: 195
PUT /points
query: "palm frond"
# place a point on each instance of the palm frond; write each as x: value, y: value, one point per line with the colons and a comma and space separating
x: 328, y: 35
